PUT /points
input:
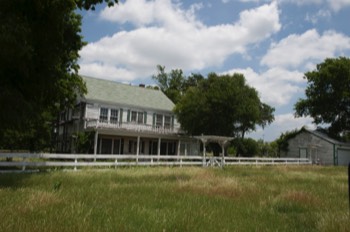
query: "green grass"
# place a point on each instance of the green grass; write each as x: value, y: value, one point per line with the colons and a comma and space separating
x: 247, y: 198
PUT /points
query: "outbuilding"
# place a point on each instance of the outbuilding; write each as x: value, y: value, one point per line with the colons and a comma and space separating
x: 317, y: 146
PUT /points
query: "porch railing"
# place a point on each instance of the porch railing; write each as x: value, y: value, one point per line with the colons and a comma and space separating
x: 134, y: 127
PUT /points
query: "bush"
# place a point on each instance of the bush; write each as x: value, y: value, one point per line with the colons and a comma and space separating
x: 246, y: 147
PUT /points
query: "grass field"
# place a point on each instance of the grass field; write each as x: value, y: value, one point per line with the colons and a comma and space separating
x: 247, y: 198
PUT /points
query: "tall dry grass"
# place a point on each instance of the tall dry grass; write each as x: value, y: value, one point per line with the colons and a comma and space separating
x: 248, y: 198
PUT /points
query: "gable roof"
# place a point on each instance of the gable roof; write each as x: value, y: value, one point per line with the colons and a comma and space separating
x: 325, y: 137
x: 117, y: 93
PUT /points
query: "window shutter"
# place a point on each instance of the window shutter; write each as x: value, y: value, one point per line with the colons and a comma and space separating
x: 145, y: 117
x: 154, y: 119
x: 172, y: 121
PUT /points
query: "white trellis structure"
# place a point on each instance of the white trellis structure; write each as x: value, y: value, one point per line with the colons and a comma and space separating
x: 221, y: 140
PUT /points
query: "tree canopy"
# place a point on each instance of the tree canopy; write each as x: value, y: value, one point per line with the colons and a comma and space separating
x: 328, y: 95
x: 39, y: 43
x: 222, y: 105
x: 175, y: 83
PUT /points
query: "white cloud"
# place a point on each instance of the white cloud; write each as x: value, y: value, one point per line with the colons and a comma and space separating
x: 282, y: 124
x: 290, y: 122
x: 297, y: 50
x: 143, y: 12
x: 302, y: 2
x: 107, y: 72
x: 337, y: 5
x: 168, y: 35
x: 321, y: 14
x: 276, y: 86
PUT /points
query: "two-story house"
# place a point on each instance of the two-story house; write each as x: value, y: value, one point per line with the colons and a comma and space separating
x: 125, y: 119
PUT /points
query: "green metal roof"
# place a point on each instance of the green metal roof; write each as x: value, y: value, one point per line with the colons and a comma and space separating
x: 117, y: 93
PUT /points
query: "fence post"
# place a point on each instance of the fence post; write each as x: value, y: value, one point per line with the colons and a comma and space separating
x: 75, y: 161
x: 24, y: 163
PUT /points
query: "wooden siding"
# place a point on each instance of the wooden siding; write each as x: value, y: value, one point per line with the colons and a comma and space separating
x: 318, y: 149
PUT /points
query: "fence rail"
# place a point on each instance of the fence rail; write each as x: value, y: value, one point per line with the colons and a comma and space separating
x: 27, y: 161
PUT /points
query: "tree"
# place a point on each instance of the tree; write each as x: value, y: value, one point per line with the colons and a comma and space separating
x: 246, y: 147
x: 193, y: 80
x: 268, y: 149
x: 328, y: 95
x: 172, y: 84
x: 266, y: 115
x: 222, y: 105
x: 84, y: 142
x: 282, y: 141
x: 39, y: 43
x: 175, y: 84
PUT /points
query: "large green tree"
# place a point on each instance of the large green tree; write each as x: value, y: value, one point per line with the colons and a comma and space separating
x: 328, y: 95
x: 39, y: 41
x: 174, y: 84
x: 222, y: 105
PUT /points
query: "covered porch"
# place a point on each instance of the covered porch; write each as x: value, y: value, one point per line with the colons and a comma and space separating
x: 138, y: 143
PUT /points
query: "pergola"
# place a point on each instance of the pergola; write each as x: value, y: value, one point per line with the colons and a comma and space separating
x: 221, y: 140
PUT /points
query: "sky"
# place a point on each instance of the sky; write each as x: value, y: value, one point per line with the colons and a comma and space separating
x: 272, y: 42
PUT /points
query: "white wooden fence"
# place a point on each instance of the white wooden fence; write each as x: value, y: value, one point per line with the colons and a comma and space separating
x: 19, y: 162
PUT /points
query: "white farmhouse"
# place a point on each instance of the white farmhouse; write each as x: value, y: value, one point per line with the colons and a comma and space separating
x: 124, y: 119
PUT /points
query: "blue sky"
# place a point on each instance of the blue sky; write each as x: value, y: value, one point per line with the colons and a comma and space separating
x: 273, y: 43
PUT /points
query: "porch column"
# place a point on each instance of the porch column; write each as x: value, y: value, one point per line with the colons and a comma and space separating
x: 138, y: 149
x: 158, y: 152
x: 95, y: 144
x: 223, y: 145
x: 178, y: 147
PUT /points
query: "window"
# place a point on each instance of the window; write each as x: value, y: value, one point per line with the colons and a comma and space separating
x: 153, y: 148
x: 106, y: 146
x: 171, y: 148
x: 159, y: 120
x: 140, y: 117
x: 133, y: 116
x: 117, y: 146
x: 103, y: 114
x: 114, y: 116
x: 167, y: 122
x: 137, y: 117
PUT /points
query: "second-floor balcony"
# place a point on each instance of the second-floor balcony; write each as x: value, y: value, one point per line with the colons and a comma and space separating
x: 133, y: 126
